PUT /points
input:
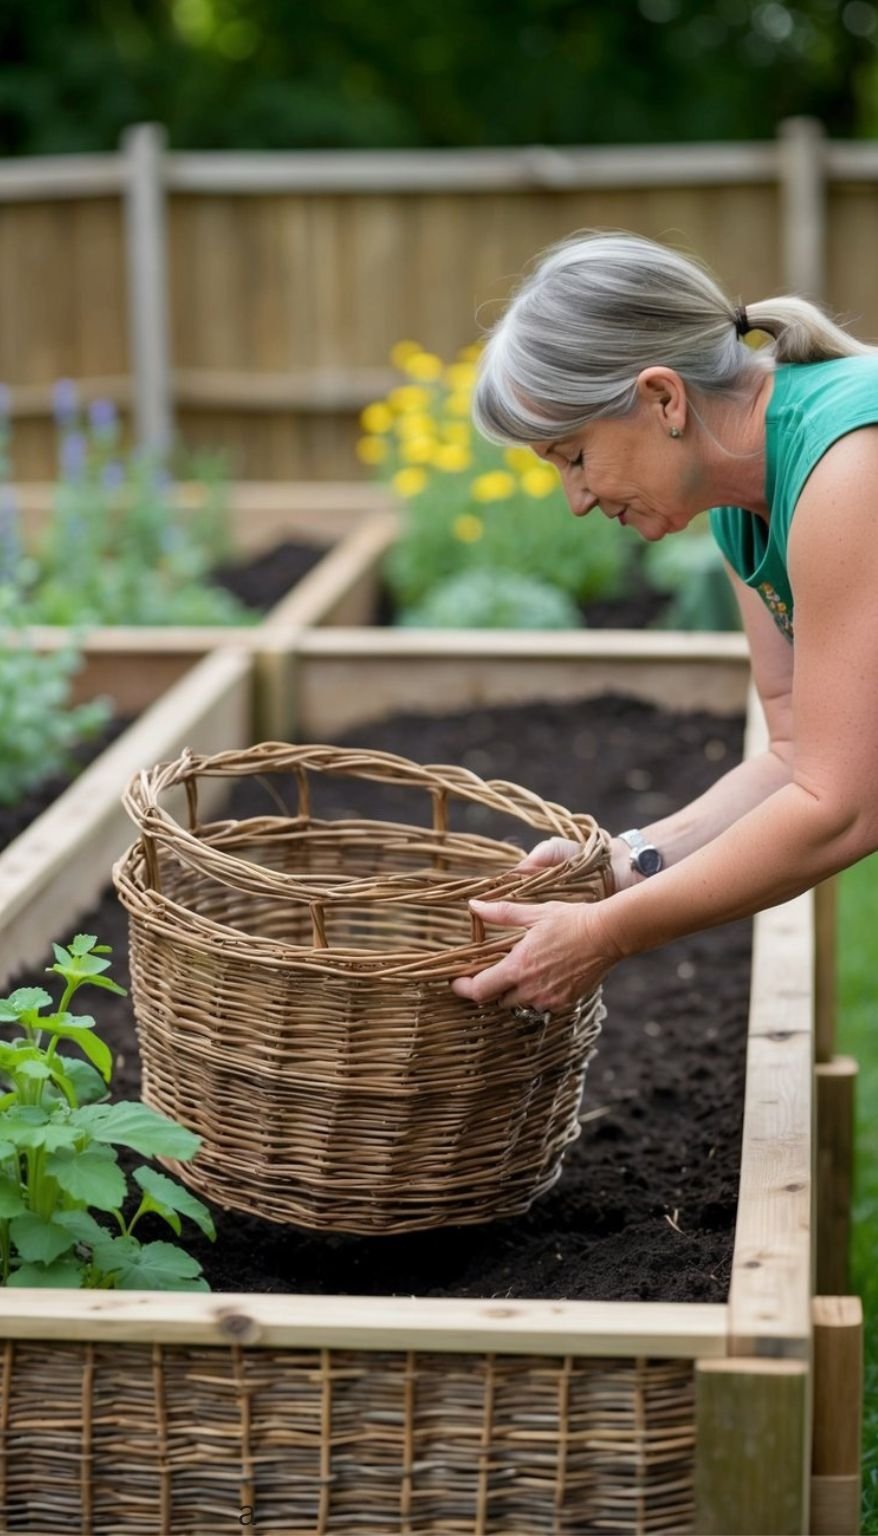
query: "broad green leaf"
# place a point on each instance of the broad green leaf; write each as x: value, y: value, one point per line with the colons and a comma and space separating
x: 21, y: 1130
x: 90, y: 1044
x: 11, y: 1199
x: 68, y: 1273
x: 29, y: 999
x: 139, y: 1127
x: 148, y: 1204
x: 87, y: 1084
x: 82, y: 1225
x: 167, y: 1192
x: 93, y: 981
x: 6, y: 1148
x: 149, y: 1266
x: 62, y: 956
x: 83, y: 943
x: 38, y: 1240
x: 92, y: 1175
x: 8, y: 1014
x: 56, y: 1023
x: 12, y: 1055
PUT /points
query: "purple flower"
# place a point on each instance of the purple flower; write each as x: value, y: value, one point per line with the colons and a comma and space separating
x: 74, y: 452
x: 103, y: 417
x: 65, y: 402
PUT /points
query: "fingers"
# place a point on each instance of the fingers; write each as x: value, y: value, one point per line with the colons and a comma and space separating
x: 508, y: 914
x: 490, y: 984
x: 553, y: 850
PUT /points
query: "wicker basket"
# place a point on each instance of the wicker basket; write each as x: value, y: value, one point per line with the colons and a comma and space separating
x: 290, y: 981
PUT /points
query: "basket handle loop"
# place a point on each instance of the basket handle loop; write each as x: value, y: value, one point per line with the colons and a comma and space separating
x: 304, y: 794
x: 152, y: 864
x: 318, y: 925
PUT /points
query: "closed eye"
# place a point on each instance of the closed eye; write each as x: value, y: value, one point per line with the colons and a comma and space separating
x: 577, y: 462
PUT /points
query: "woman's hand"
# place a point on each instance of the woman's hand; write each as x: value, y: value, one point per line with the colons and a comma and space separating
x: 556, y: 850
x: 565, y: 953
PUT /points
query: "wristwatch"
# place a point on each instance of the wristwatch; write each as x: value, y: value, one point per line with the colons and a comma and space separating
x: 645, y: 857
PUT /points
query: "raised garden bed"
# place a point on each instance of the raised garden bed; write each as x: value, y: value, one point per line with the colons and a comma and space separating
x: 301, y: 547
x: 495, y: 1415
x: 54, y: 868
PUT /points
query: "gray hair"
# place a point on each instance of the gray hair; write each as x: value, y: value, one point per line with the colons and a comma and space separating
x: 601, y: 307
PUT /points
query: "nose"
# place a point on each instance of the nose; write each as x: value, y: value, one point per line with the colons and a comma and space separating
x: 581, y: 503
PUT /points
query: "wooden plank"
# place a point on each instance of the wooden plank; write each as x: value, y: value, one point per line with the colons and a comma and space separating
x: 476, y: 170
x: 803, y: 202
x: 144, y: 147
x: 836, y: 1083
x: 54, y: 871
x: 752, y: 1452
x: 629, y: 1329
x: 36, y: 178
x: 825, y: 967
x: 339, y: 678
x: 769, y: 1299
x: 838, y: 1416
x: 261, y: 513
x: 314, y: 390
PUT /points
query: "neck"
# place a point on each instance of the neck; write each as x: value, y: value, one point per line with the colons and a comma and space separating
x: 733, y: 439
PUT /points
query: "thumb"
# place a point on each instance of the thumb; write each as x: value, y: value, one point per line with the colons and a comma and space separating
x: 506, y: 914
x: 554, y: 850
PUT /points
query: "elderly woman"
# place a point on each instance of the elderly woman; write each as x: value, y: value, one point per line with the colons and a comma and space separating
x: 622, y: 363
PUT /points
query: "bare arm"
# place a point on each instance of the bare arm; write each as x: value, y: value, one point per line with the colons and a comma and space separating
x: 823, y: 819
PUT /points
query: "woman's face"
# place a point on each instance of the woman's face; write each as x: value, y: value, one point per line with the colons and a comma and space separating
x: 633, y: 470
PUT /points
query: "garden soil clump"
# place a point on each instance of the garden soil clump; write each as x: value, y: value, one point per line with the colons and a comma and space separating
x: 645, y: 1206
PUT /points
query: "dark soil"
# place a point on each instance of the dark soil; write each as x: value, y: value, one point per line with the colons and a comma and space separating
x: 640, y: 608
x: 260, y: 583
x: 645, y: 1207
x: 267, y: 578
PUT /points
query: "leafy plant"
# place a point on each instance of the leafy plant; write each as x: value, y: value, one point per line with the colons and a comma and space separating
x: 689, y: 567
x: 119, y: 548
x: 491, y: 599
x: 38, y: 726
x: 470, y: 505
x: 58, y: 1161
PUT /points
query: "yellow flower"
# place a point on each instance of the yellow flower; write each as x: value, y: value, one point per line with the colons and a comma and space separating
x: 470, y: 354
x: 408, y: 482
x: 456, y: 432
x: 467, y: 528
x: 409, y: 397
x: 460, y: 376
x: 417, y: 450
x: 458, y: 404
x: 402, y: 351
x: 540, y: 481
x: 520, y: 459
x: 377, y: 417
x: 425, y: 366
x: 415, y: 424
x: 452, y: 457
x: 495, y: 486
x: 372, y: 450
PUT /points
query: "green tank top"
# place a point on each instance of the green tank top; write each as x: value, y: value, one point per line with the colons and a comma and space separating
x: 812, y: 405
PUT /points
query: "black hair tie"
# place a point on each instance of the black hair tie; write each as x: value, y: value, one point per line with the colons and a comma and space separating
x: 742, y: 324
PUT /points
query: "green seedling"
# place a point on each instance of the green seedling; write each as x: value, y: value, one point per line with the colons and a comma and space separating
x: 58, y: 1159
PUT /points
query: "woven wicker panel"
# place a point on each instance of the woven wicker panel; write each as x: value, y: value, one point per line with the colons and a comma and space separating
x: 291, y: 979
x: 140, y: 1440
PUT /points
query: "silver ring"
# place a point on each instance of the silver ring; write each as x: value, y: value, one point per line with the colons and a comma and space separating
x: 532, y: 1015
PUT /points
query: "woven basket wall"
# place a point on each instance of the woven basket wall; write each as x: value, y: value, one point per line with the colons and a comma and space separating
x: 291, y: 985
x: 153, y: 1440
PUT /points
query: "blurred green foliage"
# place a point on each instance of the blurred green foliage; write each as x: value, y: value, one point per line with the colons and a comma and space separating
x: 689, y: 569
x: 494, y: 599
x: 279, y: 74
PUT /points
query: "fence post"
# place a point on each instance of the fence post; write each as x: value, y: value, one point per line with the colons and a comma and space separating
x: 144, y: 147
x: 803, y: 206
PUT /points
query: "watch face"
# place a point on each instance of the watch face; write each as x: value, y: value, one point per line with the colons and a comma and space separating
x: 649, y: 860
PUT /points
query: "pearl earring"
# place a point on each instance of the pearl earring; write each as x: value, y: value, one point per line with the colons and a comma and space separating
x: 675, y: 432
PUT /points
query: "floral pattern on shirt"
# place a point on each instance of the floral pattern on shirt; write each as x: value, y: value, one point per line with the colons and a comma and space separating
x: 780, y: 611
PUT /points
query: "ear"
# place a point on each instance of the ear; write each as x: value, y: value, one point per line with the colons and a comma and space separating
x: 662, y: 391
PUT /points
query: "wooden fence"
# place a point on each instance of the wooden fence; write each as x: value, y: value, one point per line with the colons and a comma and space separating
x: 251, y: 300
